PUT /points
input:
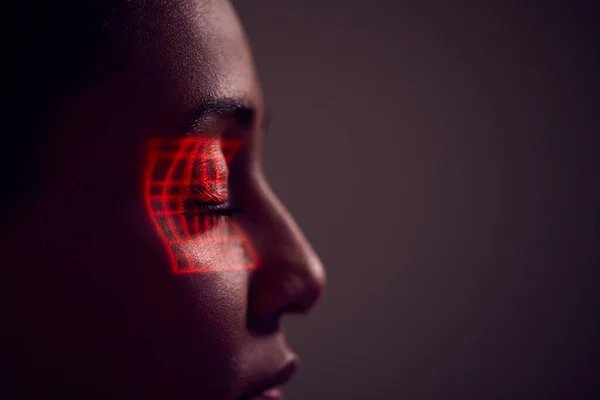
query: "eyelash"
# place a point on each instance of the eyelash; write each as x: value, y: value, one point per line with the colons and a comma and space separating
x: 221, y: 210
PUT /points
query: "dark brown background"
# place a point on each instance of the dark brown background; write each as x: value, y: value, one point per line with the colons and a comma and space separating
x: 441, y: 159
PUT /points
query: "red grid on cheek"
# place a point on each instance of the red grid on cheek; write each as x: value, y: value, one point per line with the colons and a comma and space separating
x: 182, y: 175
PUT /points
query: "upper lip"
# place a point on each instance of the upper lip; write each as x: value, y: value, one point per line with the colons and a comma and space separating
x: 278, y: 378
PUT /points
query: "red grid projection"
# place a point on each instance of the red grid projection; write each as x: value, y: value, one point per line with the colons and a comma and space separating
x: 186, y: 180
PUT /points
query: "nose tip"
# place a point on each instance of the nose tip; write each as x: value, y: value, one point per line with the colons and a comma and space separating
x: 304, y: 290
x: 285, y: 287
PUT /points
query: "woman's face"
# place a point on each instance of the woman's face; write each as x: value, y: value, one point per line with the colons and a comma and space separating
x: 156, y: 259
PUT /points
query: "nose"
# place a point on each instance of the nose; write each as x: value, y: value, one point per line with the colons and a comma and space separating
x: 290, y: 278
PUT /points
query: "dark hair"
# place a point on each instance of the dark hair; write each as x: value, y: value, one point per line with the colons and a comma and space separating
x: 51, y: 48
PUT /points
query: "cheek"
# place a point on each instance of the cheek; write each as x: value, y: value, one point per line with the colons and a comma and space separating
x: 204, y: 243
x: 178, y: 174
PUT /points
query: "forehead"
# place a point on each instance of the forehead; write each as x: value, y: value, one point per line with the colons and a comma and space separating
x: 188, y: 51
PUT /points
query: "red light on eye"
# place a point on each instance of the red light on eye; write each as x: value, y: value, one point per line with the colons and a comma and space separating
x: 194, y: 169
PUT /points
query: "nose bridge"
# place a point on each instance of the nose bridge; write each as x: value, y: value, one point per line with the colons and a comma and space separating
x: 291, y: 277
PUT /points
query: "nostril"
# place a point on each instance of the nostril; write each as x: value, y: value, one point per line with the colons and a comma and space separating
x: 279, y: 289
x: 297, y: 308
x: 310, y: 296
x: 266, y: 319
x: 304, y: 291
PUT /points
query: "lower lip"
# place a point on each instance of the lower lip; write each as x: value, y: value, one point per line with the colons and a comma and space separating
x: 271, y: 394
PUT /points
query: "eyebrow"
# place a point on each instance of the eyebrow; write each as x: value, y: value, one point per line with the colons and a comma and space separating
x: 243, y: 113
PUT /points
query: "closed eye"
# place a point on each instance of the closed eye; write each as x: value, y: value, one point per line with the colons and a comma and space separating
x: 195, y: 207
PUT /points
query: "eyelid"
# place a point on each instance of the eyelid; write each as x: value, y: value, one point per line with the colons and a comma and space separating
x: 208, y: 197
x: 196, y: 167
x: 230, y: 148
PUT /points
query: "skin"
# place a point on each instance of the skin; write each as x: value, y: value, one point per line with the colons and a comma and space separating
x: 98, y: 308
